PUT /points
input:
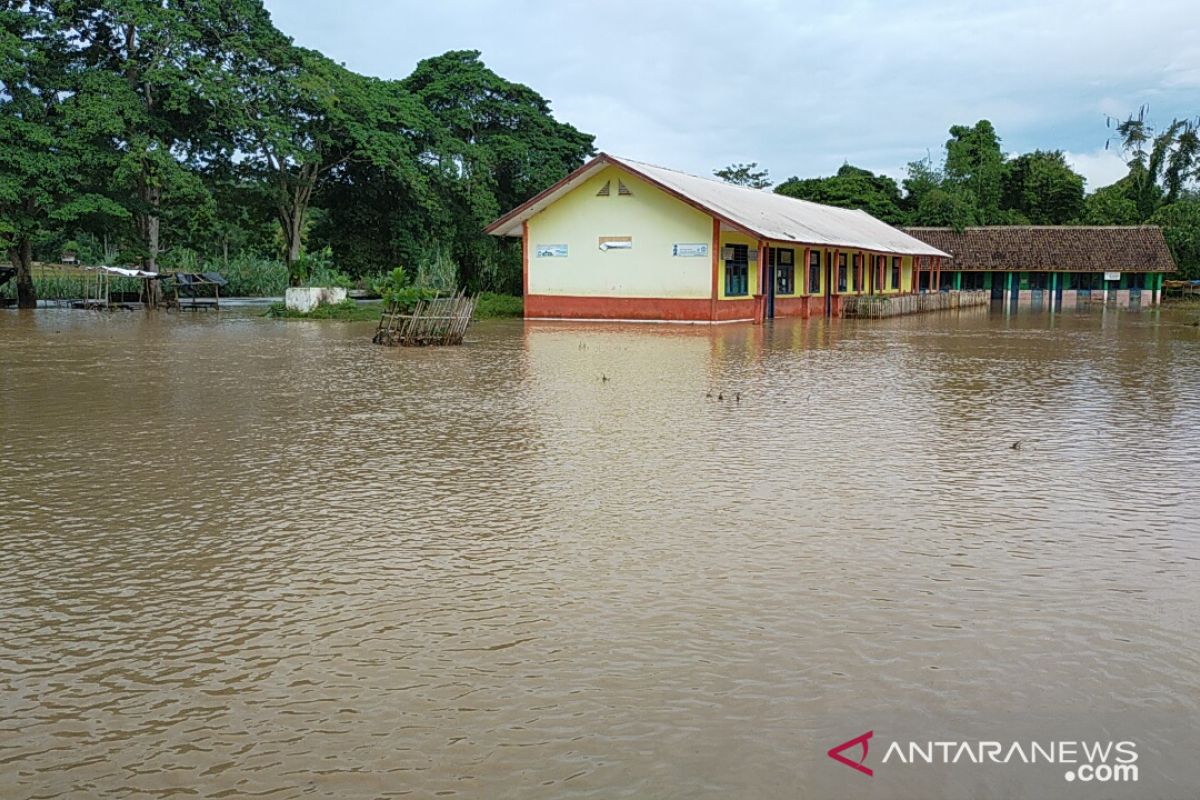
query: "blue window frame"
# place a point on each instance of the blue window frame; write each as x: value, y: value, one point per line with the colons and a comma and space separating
x: 783, y: 263
x: 737, y: 271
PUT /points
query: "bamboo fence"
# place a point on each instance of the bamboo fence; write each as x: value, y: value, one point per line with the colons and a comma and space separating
x: 876, y: 307
x: 438, y: 321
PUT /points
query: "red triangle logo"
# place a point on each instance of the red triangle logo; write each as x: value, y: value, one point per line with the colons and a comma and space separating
x: 836, y: 752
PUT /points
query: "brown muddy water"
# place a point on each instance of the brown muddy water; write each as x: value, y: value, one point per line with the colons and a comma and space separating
x: 242, y: 557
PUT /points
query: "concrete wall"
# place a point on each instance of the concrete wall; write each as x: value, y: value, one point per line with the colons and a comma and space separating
x: 653, y: 220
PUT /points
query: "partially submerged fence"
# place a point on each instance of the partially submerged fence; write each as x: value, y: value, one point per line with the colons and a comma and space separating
x: 441, y: 320
x: 876, y: 307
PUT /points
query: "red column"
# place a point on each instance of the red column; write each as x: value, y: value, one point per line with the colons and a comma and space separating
x: 716, y: 268
x: 804, y: 285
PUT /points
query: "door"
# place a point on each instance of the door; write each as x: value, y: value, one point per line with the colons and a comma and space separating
x: 828, y: 284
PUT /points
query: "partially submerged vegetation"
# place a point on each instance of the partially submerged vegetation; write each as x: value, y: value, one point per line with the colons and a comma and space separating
x: 489, y: 306
x: 346, y: 311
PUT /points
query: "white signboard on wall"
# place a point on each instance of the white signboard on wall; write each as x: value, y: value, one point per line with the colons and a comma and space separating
x: 550, y: 251
x: 1112, y: 276
x: 696, y: 250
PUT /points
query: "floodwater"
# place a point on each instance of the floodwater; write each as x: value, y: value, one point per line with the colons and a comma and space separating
x: 243, y: 557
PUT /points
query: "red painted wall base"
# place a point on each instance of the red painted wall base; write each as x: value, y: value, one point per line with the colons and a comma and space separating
x: 548, y: 306
x: 544, y: 306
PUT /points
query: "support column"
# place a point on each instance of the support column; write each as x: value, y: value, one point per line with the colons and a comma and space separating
x: 716, y: 269
x: 760, y: 296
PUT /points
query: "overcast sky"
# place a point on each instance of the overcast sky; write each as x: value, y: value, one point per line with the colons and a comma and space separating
x: 799, y: 87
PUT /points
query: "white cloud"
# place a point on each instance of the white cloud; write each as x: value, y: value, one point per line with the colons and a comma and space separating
x: 799, y: 87
x: 1100, y: 167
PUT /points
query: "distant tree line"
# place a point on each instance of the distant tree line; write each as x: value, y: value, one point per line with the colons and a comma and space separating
x: 976, y: 183
x: 189, y: 132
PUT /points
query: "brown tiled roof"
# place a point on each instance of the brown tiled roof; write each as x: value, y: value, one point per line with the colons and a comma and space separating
x: 1052, y: 248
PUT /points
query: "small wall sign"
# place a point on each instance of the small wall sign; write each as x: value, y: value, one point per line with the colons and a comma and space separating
x: 616, y: 243
x: 551, y: 251
x: 1112, y: 276
x: 697, y: 250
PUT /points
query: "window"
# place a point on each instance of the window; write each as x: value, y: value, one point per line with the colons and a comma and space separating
x: 1039, y: 280
x: 895, y: 272
x: 1137, y: 280
x: 737, y: 271
x: 784, y: 264
x: 814, y: 271
x: 841, y: 281
x: 971, y: 281
x: 857, y: 272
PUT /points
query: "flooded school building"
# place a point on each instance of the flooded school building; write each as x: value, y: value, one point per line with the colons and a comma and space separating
x: 624, y: 240
x: 1056, y: 266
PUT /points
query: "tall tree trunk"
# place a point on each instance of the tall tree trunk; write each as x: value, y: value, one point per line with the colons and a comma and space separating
x: 152, y: 197
x: 22, y: 259
x: 293, y: 227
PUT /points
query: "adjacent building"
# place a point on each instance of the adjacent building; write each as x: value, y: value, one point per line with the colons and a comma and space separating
x: 1055, y: 267
x: 622, y: 240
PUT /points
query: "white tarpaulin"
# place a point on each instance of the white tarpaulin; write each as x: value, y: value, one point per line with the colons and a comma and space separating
x: 128, y: 273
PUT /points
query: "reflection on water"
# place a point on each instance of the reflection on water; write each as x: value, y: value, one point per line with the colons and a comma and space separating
x: 241, y: 556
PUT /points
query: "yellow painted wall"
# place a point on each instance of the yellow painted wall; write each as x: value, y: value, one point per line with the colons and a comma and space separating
x: 653, y: 219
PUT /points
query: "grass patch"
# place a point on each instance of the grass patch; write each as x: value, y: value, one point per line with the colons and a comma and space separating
x: 346, y: 311
x: 499, y: 306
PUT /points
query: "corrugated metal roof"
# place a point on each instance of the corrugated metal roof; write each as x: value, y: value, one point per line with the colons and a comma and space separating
x: 761, y: 213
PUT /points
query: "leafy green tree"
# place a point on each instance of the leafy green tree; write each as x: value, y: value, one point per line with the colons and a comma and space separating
x: 933, y: 200
x: 496, y: 144
x: 851, y: 187
x: 308, y: 119
x: 162, y: 69
x: 1111, y: 205
x: 1043, y: 188
x: 748, y: 175
x: 975, y: 162
x: 1160, y: 161
x: 44, y: 156
x: 1180, y: 222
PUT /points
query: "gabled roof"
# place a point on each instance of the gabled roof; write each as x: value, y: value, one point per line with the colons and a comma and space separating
x: 1053, y: 248
x: 760, y: 213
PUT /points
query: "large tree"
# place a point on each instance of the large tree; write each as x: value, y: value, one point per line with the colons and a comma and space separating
x: 48, y: 154
x: 165, y: 70
x: 975, y: 162
x: 851, y: 187
x: 1042, y: 188
x: 1161, y: 161
x: 748, y: 175
x: 1111, y: 205
x: 307, y: 119
x: 496, y: 145
x: 1180, y: 222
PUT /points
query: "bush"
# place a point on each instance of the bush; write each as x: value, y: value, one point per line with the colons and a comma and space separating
x: 252, y: 277
x: 491, y: 306
x: 347, y: 311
